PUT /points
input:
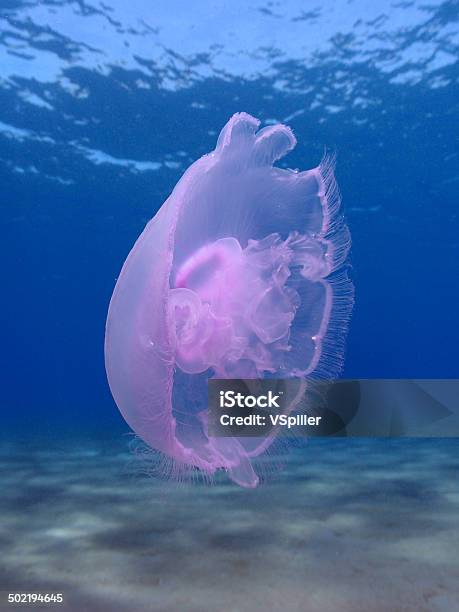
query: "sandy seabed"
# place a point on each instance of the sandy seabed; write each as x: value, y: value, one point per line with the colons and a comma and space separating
x: 347, y: 525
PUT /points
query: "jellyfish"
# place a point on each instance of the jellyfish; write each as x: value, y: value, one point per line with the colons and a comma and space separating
x: 241, y: 274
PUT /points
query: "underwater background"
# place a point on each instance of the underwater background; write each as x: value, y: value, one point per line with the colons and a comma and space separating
x: 103, y: 105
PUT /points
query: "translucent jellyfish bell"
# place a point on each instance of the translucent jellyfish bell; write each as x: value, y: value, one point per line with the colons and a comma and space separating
x: 239, y: 275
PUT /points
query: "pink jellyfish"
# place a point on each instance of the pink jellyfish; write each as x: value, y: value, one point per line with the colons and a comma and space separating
x: 240, y: 274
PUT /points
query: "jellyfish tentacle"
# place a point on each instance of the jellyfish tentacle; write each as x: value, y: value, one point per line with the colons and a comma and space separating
x: 231, y: 456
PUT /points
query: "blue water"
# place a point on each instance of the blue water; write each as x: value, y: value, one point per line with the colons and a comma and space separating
x: 103, y: 105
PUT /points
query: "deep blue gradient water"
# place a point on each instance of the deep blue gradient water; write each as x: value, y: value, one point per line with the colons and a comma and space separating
x: 103, y: 105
